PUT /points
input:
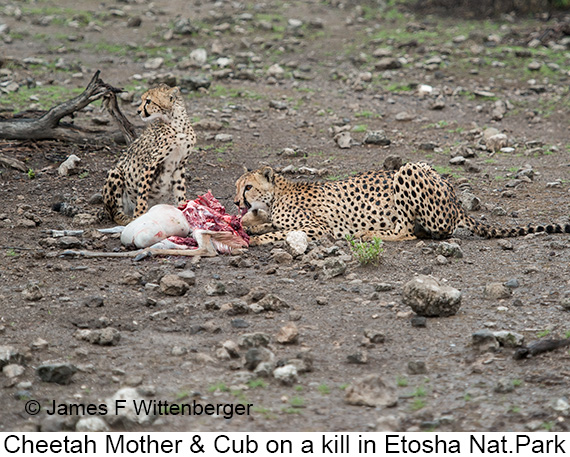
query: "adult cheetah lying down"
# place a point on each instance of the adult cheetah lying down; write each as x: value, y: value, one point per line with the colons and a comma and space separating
x: 414, y: 201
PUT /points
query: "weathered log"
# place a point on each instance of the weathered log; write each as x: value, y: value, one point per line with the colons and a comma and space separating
x: 48, y: 126
x: 127, y: 128
x: 540, y: 346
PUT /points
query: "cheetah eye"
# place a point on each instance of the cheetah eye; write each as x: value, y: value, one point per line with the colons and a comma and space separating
x: 248, y: 187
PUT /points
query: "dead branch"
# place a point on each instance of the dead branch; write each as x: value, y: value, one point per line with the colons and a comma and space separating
x: 48, y: 126
x: 12, y: 163
x: 540, y: 346
x: 127, y: 128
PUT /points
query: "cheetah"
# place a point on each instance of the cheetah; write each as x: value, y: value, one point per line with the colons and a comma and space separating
x: 405, y: 204
x: 151, y: 171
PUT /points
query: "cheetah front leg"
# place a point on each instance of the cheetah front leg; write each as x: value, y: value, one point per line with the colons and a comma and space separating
x: 386, y: 235
x: 313, y: 230
x: 179, y: 184
x: 113, y: 191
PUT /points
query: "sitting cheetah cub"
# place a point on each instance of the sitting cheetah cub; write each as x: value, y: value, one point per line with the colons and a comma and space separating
x: 151, y: 171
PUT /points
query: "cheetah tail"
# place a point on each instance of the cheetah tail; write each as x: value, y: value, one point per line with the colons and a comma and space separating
x: 488, y: 231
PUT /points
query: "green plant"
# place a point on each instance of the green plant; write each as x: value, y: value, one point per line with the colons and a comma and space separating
x: 360, y: 128
x: 298, y: 388
x: 255, y: 383
x: 467, y: 397
x: 297, y: 402
x: 418, y: 404
x: 516, y: 382
x: 11, y: 253
x: 419, y: 392
x: 83, y: 175
x: 401, y: 381
x: 324, y: 389
x: 515, y: 409
x: 543, y: 333
x: 31, y: 174
x: 343, y: 386
x: 366, y: 252
x: 567, y: 334
x: 218, y: 386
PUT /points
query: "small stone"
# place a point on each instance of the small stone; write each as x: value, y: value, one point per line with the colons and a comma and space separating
x: 12, y: 370
x: 404, y: 116
x: 93, y: 301
x: 359, y: 358
x: 272, y: 302
x: 485, y: 341
x: 449, y: 250
x: 276, y: 71
x: 289, y: 334
x: 173, y: 285
x: 214, y: 288
x: 154, y: 63
x: 496, y: 142
x: 297, y: 241
x: 108, y: 336
x: 134, y: 22
x: 255, y: 356
x: 199, y: 56
x: 343, y: 140
x: 418, y: 321
x: 32, y: 292
x: 383, y: 287
x: 131, y: 278
x: 70, y: 166
x: 512, y: 283
x: 276, y: 104
x: 371, y: 391
x: 387, y: 63
x: 287, y: 374
x: 250, y: 340
x: 496, y: 291
x: 505, y: 245
x: 281, y: 256
x: 333, y: 267
x: 441, y: 260
x: 58, y: 373
x: 427, y: 297
x: 504, y: 386
x: 374, y: 336
x: 39, y: 344
x: 459, y: 160
x: 534, y: 66
x: 509, y: 339
x: 224, y: 137
x: 130, y: 399
x: 377, y: 137
x: 417, y: 367
x: 188, y: 276
x: 91, y: 424
x: 10, y: 355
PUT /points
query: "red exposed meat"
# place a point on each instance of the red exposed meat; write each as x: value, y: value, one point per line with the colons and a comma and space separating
x: 207, y: 213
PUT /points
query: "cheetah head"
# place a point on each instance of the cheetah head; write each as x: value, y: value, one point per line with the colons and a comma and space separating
x: 158, y: 103
x: 254, y: 191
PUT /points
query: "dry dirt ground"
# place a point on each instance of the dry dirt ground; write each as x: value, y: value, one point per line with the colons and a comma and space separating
x: 330, y: 74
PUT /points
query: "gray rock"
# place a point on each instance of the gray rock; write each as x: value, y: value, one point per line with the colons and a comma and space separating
x: 93, y: 301
x: 297, y: 241
x: 383, y: 287
x: 188, y: 276
x: 505, y: 245
x: 281, y: 256
x: 496, y: 142
x: 377, y: 137
x: 388, y: 424
x: 104, y: 337
x: 223, y: 137
x: 32, y: 292
x: 504, y: 386
x: 288, y: 334
x: 91, y: 424
x: 154, y: 63
x: 58, y: 373
x: 333, y: 267
x: 10, y: 355
x: 128, y: 397
x: 131, y: 278
x: 375, y: 336
x: 418, y: 321
x: 194, y: 83
x: 72, y: 165
x: 371, y: 390
x: 215, y: 288
x: 392, y: 163
x: 427, y: 297
x: 459, y: 160
x: 534, y: 66
x: 509, y: 339
x: 417, y: 367
x: 404, y: 116
x: 496, y: 291
x: 13, y: 370
x: 254, y: 340
x: 512, y: 283
x: 272, y: 302
x: 287, y: 374
x: 387, y: 63
x: 257, y: 355
x: 449, y: 250
x: 183, y: 26
x: 359, y: 358
x: 343, y: 140
x: 484, y: 341
x: 173, y: 285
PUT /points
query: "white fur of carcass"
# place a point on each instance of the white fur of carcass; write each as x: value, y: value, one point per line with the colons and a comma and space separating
x: 160, y: 222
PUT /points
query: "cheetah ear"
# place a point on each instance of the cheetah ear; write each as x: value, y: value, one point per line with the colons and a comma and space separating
x: 268, y: 173
x: 173, y: 92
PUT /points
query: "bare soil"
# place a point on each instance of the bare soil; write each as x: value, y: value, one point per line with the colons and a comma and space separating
x: 320, y: 88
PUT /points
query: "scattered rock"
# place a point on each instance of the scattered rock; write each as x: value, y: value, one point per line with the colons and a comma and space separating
x: 257, y: 355
x: 427, y: 297
x: 71, y: 166
x: 534, y: 66
x: 297, y: 241
x: 377, y: 137
x: 174, y: 285
x: 509, y: 339
x: 343, y: 140
x: 287, y: 374
x: 10, y: 355
x: 13, y: 370
x: 58, y: 373
x: 91, y: 424
x: 496, y: 142
x: 289, y: 334
x: 504, y: 386
x: 371, y: 391
x: 359, y: 358
x: 188, y: 276
x: 449, y: 250
x: 404, y: 116
x: 496, y: 291
x: 154, y: 63
x: 273, y: 303
x: 417, y: 367
x: 418, y: 321
x: 484, y: 341
x: 213, y: 288
x: 392, y: 163
x: 128, y: 397
x: 32, y: 292
x: 108, y: 336
x: 333, y: 267
x: 253, y: 340
x: 375, y: 336
x: 387, y: 63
